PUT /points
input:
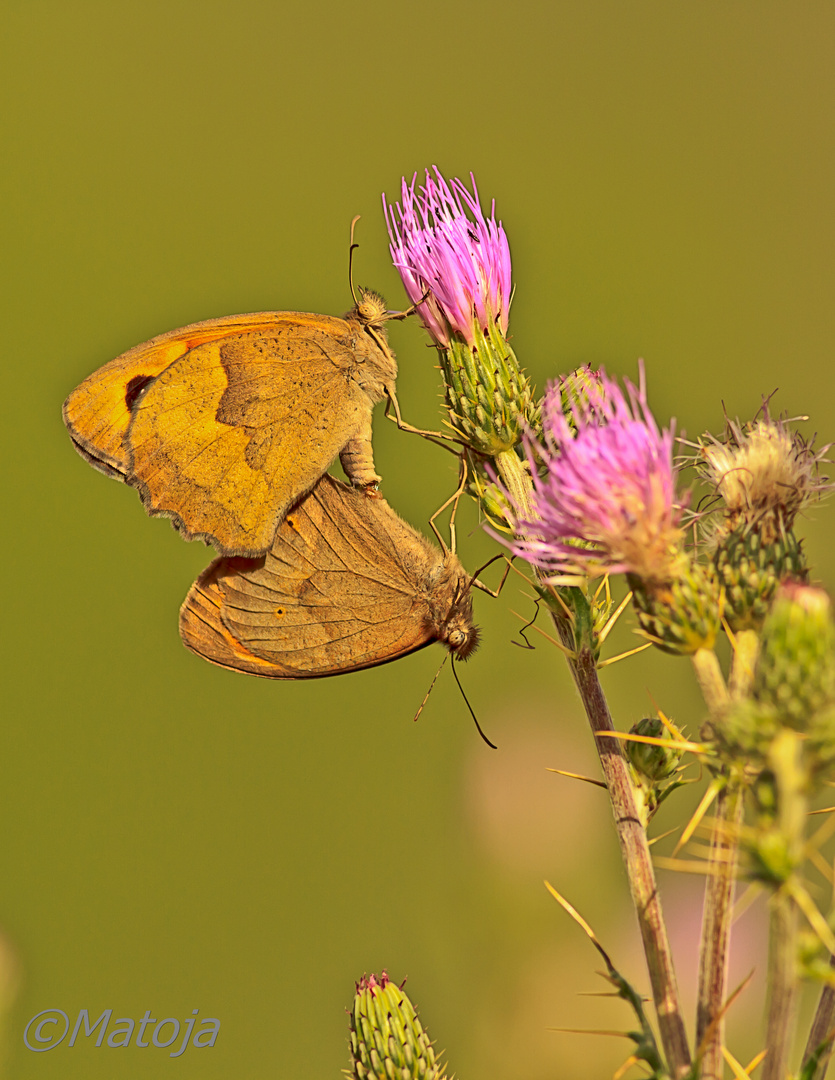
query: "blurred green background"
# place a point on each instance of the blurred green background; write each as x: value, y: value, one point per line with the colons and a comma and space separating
x: 175, y: 837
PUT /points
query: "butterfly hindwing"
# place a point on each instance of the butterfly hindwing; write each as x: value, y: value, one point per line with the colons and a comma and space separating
x: 346, y: 585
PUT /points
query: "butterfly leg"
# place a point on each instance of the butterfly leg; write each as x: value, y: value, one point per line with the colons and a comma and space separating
x: 474, y: 581
x: 453, y: 499
x: 437, y: 437
x: 357, y: 459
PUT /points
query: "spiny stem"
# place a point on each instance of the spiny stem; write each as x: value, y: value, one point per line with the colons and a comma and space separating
x: 782, y: 984
x: 716, y: 931
x: 714, y: 951
x: 785, y: 762
x: 631, y: 833
x: 822, y: 1029
x: 636, y: 856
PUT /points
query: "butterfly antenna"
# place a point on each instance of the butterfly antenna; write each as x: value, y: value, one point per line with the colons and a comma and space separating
x: 351, y: 250
x: 469, y: 706
x: 429, y: 691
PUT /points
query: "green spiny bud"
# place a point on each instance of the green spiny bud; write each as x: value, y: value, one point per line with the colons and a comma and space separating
x: 652, y: 761
x: 795, y: 673
x: 490, y: 401
x: 680, y: 616
x: 577, y: 389
x: 386, y: 1037
x: 746, y: 731
x: 491, y: 497
x: 750, y: 567
x: 821, y: 744
x: 813, y: 957
x: 772, y: 860
x: 652, y: 765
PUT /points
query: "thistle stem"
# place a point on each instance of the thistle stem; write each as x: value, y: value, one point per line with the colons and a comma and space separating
x: 714, y: 951
x: 785, y: 761
x: 630, y: 830
x: 782, y: 985
x: 711, y: 680
x: 822, y: 1030
x: 636, y: 857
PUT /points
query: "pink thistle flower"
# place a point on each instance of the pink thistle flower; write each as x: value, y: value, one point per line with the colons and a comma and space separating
x: 606, y: 502
x: 442, y: 242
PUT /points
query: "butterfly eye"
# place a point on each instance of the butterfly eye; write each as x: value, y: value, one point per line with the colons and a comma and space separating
x: 456, y: 639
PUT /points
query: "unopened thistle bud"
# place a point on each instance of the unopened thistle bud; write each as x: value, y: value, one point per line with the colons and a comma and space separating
x: 653, y: 765
x: 745, y: 732
x: 653, y: 761
x: 795, y: 672
x: 765, y: 474
x: 455, y: 266
x: 793, y: 686
x: 387, y: 1039
x: 683, y: 614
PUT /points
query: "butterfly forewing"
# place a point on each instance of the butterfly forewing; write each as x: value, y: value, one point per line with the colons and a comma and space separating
x: 224, y: 424
x: 98, y: 412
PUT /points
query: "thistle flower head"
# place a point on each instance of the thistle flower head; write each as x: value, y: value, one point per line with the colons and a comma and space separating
x: 442, y: 242
x: 764, y: 472
x: 606, y: 499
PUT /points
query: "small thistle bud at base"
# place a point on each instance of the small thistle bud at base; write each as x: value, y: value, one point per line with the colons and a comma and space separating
x: 386, y: 1037
x: 492, y: 499
x: 652, y: 766
x: 775, y: 844
x: 652, y: 761
x: 680, y: 616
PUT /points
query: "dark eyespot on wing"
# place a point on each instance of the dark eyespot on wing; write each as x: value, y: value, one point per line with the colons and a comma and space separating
x: 134, y: 389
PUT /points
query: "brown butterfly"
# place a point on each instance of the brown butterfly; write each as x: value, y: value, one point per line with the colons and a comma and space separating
x: 346, y: 585
x: 224, y: 424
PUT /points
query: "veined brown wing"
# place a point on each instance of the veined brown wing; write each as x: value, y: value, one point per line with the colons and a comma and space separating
x: 346, y: 585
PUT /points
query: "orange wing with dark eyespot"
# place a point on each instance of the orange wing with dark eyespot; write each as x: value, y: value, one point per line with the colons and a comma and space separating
x: 97, y: 413
x: 346, y: 585
x: 223, y: 425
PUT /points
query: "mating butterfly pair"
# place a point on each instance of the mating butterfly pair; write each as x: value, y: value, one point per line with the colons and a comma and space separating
x: 228, y: 427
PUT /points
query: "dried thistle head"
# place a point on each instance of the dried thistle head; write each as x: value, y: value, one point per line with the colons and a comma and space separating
x: 765, y: 474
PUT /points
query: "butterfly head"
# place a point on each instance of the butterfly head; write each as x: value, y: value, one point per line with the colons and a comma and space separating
x: 370, y: 309
x: 458, y: 631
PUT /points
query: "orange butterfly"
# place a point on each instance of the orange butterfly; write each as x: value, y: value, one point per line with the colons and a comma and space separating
x: 346, y: 585
x: 224, y: 424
